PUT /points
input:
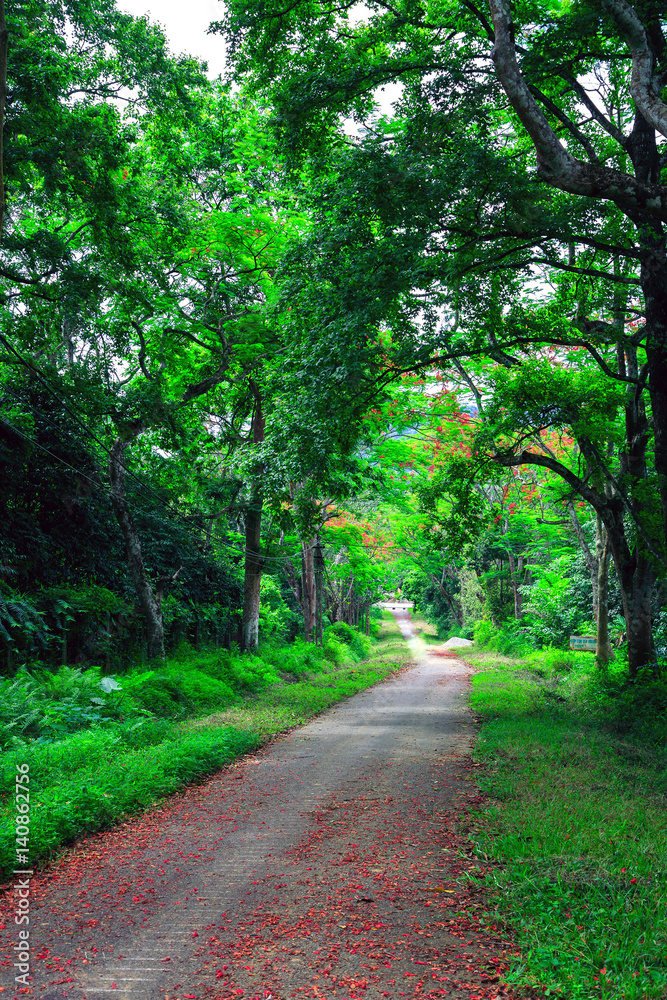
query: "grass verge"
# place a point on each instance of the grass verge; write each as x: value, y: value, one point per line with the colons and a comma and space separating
x: 575, y: 823
x: 282, y: 707
x: 91, y: 779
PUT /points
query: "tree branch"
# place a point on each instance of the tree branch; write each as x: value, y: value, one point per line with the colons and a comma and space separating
x: 567, y: 123
x: 590, y: 272
x: 554, y: 164
x: 643, y: 88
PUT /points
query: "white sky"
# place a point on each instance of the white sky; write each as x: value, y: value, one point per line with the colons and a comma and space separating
x: 185, y: 26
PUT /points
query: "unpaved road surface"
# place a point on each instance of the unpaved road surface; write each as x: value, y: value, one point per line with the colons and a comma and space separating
x: 322, y: 866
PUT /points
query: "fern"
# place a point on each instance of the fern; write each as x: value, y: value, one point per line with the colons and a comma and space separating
x: 21, y: 624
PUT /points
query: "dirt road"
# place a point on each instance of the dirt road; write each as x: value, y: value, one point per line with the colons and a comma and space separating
x: 322, y: 866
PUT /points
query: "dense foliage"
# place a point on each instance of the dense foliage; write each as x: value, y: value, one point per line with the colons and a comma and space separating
x: 258, y: 372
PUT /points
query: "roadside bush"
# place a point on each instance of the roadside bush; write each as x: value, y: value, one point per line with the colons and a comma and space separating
x: 154, y: 692
x: 297, y: 659
x: 75, y: 795
x: 358, y: 644
x: 558, y: 661
x: 251, y: 673
x: 510, y: 640
x: 484, y: 634
x: 176, y: 691
x: 40, y: 704
x: 335, y: 651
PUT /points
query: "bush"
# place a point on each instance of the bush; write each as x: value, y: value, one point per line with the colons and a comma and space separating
x: 510, y: 640
x: 558, y: 661
x: 359, y: 644
x: 484, y: 634
x: 275, y: 618
x: 296, y: 659
x: 74, y: 794
x: 558, y: 604
x: 335, y: 651
x: 177, y: 690
x: 46, y: 705
x: 250, y: 673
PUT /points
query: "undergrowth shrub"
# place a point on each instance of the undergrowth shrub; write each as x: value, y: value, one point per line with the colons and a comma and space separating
x: 72, y: 793
x: 559, y: 661
x: 631, y: 707
x: 358, y: 644
x: 298, y: 658
x: 40, y: 704
x: 510, y: 639
x: 251, y: 673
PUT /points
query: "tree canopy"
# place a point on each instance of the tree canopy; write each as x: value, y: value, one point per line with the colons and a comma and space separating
x: 239, y: 341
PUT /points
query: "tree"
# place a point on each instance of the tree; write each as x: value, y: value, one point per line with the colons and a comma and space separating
x: 473, y: 174
x: 554, y: 395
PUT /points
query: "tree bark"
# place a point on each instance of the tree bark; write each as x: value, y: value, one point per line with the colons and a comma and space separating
x: 309, y: 590
x: 151, y: 604
x: 254, y: 563
x: 555, y: 164
x: 515, y: 572
x: 252, y: 578
x: 319, y: 586
x: 637, y: 607
x: 603, y: 651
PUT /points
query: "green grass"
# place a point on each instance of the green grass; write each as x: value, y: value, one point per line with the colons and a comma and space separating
x: 425, y: 630
x: 576, y: 823
x: 89, y: 780
x: 282, y: 707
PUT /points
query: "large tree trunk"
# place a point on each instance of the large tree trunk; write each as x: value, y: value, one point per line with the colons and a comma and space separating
x: 253, y: 544
x: 151, y: 603
x: 253, y: 574
x: 308, y: 590
x: 603, y: 651
x: 636, y: 578
x: 637, y: 609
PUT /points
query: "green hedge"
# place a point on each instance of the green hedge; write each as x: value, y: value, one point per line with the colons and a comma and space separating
x: 93, y: 779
